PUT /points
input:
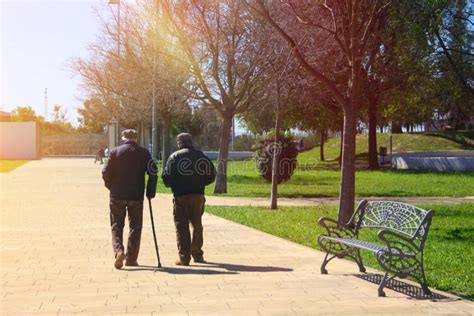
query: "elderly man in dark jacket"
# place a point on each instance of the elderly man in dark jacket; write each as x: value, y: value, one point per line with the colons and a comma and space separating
x: 124, y: 176
x: 187, y: 172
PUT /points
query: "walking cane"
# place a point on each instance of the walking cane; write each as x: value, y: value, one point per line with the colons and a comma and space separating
x: 154, y: 234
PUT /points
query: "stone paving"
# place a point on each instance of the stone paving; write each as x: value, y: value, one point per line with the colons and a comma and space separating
x: 56, y: 259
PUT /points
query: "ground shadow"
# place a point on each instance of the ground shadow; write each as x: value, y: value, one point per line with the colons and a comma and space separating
x: 176, y: 270
x: 245, y: 268
x: 141, y: 268
x: 198, y: 269
x: 410, y: 290
x: 193, y: 270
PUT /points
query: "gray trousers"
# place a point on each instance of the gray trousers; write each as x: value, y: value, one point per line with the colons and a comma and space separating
x: 118, y: 211
x: 188, y: 209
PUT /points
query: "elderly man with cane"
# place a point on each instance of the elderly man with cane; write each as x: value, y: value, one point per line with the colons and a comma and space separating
x: 124, y: 176
x: 187, y: 172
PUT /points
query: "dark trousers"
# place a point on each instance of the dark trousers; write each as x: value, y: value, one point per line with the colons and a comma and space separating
x: 189, y: 209
x: 118, y: 210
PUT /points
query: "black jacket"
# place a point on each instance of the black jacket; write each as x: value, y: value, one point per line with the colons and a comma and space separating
x: 124, y: 174
x: 188, y: 171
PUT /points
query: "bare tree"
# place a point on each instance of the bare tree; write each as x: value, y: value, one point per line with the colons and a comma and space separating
x: 145, y: 66
x: 342, y: 29
x: 216, y: 37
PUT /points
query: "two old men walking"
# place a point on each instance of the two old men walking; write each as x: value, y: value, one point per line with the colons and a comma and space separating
x: 187, y: 172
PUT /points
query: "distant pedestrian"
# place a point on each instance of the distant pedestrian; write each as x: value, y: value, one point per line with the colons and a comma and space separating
x: 300, y: 145
x: 100, y: 156
x: 124, y: 176
x: 187, y: 172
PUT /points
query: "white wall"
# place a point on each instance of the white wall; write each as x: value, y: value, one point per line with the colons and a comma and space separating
x: 18, y: 140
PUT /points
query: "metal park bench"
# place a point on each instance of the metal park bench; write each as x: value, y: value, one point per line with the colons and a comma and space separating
x: 402, y: 237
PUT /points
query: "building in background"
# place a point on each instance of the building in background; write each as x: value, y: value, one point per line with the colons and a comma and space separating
x: 5, y: 116
x: 20, y: 140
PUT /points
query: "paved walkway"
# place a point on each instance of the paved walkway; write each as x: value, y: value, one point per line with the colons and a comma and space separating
x: 56, y: 258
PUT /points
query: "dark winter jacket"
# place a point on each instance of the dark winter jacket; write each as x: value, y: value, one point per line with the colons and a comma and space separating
x: 124, y: 174
x: 188, y: 171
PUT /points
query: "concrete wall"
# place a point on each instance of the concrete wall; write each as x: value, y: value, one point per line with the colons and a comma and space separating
x: 435, y: 161
x: 20, y: 140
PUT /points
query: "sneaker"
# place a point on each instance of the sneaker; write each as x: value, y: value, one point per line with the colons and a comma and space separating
x: 131, y: 263
x: 119, y: 258
x: 200, y: 260
x: 181, y: 263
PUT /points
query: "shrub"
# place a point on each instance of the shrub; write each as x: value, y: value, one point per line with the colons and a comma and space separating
x: 285, y: 148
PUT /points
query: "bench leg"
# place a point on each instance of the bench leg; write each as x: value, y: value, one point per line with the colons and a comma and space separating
x: 382, y: 285
x: 358, y: 259
x: 325, y: 262
x: 424, y: 284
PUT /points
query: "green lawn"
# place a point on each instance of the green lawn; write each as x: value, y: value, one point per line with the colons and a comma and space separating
x: 406, y: 142
x: 9, y: 165
x: 244, y: 180
x: 314, y: 178
x: 449, y: 253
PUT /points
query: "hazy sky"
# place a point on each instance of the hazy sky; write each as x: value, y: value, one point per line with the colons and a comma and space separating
x: 37, y: 39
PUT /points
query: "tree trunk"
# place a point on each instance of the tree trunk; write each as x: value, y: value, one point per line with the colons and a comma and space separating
x: 322, y: 138
x: 373, y: 160
x: 347, y: 194
x: 341, y: 147
x: 224, y: 138
x: 396, y: 128
x: 275, y: 169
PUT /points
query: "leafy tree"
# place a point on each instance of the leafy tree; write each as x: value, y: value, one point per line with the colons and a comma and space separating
x: 430, y: 78
x: 93, y: 116
x: 285, y: 149
x: 191, y: 122
x: 212, y: 123
x: 24, y: 114
x: 59, y: 114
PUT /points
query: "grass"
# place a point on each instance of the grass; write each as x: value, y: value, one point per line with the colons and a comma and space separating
x: 405, y: 142
x: 9, y: 165
x: 449, y: 255
x: 466, y: 138
x: 244, y: 180
x: 314, y: 178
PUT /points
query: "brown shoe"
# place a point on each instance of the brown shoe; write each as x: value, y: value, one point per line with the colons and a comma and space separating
x: 119, y: 258
x: 131, y: 263
x: 181, y: 263
x: 200, y: 260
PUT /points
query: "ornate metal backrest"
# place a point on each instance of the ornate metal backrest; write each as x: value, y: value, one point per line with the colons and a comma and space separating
x: 401, y: 217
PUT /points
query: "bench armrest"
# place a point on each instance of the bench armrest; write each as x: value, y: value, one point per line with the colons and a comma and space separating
x: 334, y: 229
x: 397, y: 242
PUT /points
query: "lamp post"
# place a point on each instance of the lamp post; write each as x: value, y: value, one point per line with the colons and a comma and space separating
x: 112, y: 131
x: 117, y: 2
x: 153, y: 106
